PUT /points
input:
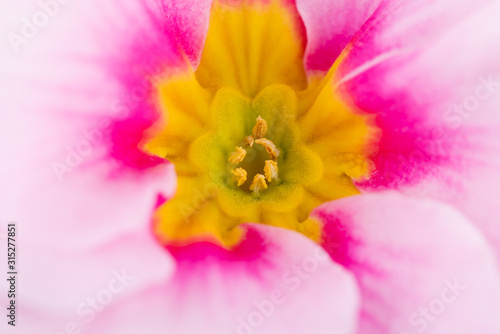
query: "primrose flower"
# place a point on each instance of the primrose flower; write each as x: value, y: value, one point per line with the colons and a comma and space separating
x: 253, y: 166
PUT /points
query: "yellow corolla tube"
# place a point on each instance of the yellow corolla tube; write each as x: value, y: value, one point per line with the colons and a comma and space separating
x: 251, y: 141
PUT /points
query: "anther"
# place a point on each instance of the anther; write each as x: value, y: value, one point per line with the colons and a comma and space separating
x: 270, y: 147
x: 239, y: 175
x: 271, y: 170
x: 258, y: 183
x: 248, y: 141
x: 260, y: 129
x: 238, y: 156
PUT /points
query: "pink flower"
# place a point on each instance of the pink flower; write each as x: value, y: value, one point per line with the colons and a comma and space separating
x: 370, y: 205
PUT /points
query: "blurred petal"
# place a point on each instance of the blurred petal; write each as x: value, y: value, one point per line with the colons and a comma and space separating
x: 420, y: 265
x: 189, y: 20
x: 330, y: 26
x: 62, y: 292
x: 130, y: 263
x: 81, y: 100
x: 276, y: 281
x: 429, y: 72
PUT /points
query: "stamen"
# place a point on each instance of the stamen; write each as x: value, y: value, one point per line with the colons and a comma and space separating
x: 239, y: 175
x: 260, y: 129
x: 249, y: 141
x: 271, y: 170
x: 270, y: 147
x: 238, y: 156
x: 258, y: 183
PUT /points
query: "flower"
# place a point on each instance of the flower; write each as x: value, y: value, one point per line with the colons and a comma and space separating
x: 259, y: 166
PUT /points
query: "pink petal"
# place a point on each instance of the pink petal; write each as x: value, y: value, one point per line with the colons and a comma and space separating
x: 92, y: 70
x: 330, y: 26
x: 65, y: 290
x: 189, y: 20
x: 79, y: 101
x: 74, y: 178
x: 251, y: 289
x: 56, y: 281
x: 411, y: 257
x: 411, y: 65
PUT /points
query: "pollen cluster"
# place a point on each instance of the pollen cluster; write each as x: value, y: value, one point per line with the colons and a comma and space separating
x: 270, y: 171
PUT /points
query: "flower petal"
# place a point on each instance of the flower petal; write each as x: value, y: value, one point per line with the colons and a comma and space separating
x: 130, y: 263
x: 81, y: 100
x: 189, y: 20
x: 276, y: 281
x: 429, y: 72
x: 330, y: 26
x: 65, y: 291
x: 420, y: 265
x: 251, y: 45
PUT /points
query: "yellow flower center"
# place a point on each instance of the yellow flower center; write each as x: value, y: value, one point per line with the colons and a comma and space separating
x: 251, y: 139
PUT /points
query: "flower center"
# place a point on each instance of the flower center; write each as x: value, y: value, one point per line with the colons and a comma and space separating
x: 264, y: 155
x: 250, y: 141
